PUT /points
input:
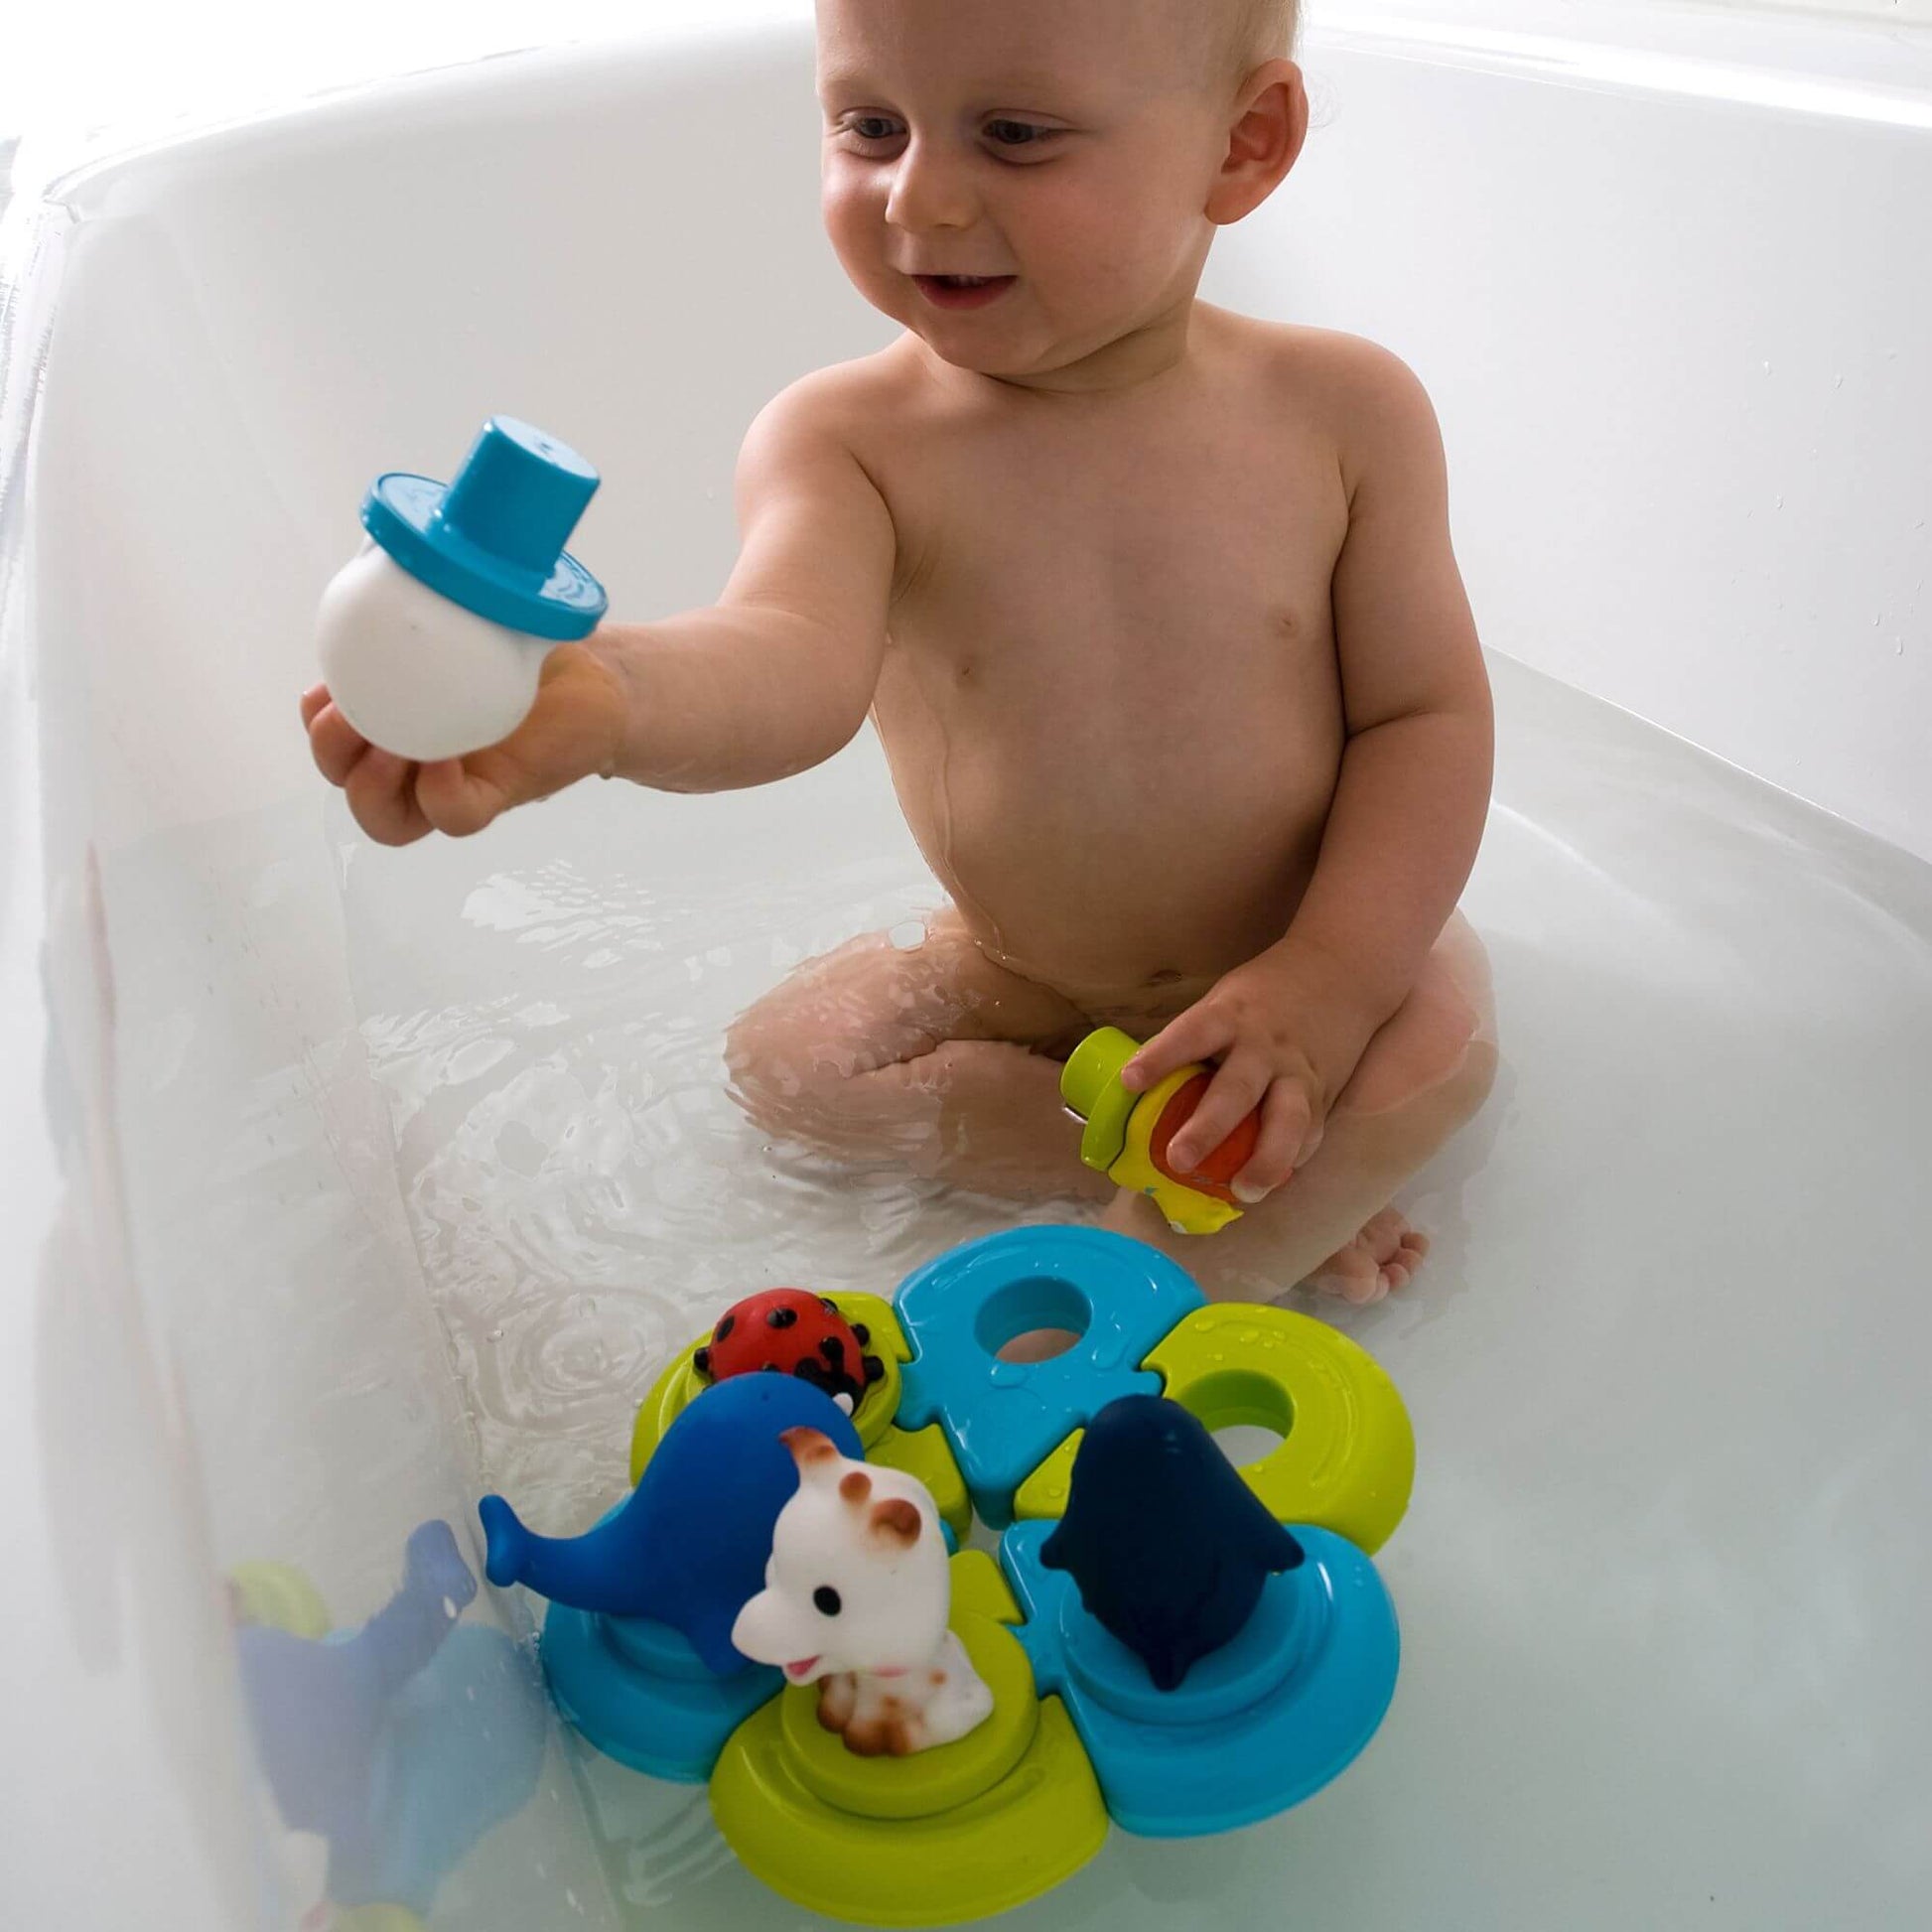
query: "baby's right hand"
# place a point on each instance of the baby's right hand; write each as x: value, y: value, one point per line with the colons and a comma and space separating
x: 573, y: 730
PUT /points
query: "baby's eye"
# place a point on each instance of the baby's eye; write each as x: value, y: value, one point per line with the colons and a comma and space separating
x: 1019, y: 134
x: 859, y: 123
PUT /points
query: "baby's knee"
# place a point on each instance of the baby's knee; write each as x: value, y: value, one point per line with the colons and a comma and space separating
x: 776, y: 1072
x: 1429, y: 1091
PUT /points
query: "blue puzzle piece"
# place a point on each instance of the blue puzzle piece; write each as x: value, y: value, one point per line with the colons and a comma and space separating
x: 640, y: 1692
x: 1003, y: 1418
x: 1258, y: 1726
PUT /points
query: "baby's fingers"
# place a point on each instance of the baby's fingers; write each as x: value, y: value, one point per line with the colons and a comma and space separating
x: 1232, y: 1096
x: 460, y: 796
x: 1196, y: 1035
x: 1285, y: 1118
x: 333, y: 743
x: 382, y: 794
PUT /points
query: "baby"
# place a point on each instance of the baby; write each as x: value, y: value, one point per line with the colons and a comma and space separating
x: 1154, y: 610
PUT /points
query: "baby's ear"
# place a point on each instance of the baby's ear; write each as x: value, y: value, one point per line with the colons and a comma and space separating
x: 895, y: 1521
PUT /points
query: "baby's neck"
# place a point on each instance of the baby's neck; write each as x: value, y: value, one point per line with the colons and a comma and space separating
x: 1151, y: 355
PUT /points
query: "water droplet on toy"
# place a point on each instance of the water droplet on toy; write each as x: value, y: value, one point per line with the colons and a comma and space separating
x: 1778, y: 504
x: 908, y: 936
x: 495, y: 1334
x: 1838, y: 383
x: 1008, y: 1375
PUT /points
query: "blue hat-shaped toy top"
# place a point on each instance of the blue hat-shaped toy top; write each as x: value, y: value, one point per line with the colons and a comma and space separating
x: 493, y: 540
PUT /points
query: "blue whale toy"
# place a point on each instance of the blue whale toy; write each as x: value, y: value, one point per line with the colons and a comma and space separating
x: 1170, y: 1547
x: 690, y: 1546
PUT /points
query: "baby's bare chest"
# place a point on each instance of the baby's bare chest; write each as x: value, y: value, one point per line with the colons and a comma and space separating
x: 1038, y: 568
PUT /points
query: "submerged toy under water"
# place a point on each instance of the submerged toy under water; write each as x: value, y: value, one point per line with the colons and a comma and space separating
x: 1229, y: 1686
x: 1125, y: 1136
x: 393, y: 1747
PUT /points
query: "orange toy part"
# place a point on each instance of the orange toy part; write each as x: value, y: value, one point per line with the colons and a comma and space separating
x: 1221, y: 1167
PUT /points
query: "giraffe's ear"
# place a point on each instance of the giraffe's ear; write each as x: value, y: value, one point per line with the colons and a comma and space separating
x: 895, y: 1521
x: 815, y: 1454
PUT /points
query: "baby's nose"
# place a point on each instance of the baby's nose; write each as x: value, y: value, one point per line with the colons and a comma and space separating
x: 930, y: 190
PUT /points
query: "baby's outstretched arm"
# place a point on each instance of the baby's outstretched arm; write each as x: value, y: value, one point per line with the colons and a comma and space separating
x: 1291, y: 1025
x: 770, y: 680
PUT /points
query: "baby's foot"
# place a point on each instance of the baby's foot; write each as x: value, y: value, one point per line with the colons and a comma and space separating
x: 1386, y: 1253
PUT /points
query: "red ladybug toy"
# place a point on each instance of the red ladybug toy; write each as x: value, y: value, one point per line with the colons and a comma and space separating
x: 791, y: 1331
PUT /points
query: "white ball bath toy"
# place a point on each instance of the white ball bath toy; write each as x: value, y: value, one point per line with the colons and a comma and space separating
x: 432, y: 636
x: 856, y: 1594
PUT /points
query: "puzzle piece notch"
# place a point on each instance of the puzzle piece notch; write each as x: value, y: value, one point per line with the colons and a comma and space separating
x: 1119, y: 1296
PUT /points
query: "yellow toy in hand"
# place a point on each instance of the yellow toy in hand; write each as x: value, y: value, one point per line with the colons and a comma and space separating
x: 1125, y: 1136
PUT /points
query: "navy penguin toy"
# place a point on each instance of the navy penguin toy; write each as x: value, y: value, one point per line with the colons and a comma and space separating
x: 1168, y: 1546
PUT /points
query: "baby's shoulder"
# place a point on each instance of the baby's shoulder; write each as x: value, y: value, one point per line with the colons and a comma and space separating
x: 1362, y: 397
x: 846, y: 396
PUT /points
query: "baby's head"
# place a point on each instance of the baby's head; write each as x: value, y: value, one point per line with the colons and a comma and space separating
x: 1087, y: 149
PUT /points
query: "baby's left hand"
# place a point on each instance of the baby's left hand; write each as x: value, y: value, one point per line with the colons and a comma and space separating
x: 1285, y: 1045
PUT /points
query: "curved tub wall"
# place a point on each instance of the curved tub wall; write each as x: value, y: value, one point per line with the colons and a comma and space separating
x: 224, y: 1348
x: 1670, y: 307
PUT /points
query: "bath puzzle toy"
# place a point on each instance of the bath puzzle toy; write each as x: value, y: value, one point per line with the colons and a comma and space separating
x: 1167, y: 1546
x: 431, y: 637
x: 798, y: 1333
x: 1237, y: 1719
x: 1125, y: 1136
x: 856, y: 1595
x: 397, y: 1744
x: 689, y: 1547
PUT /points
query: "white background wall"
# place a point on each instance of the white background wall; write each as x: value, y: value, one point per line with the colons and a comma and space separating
x: 93, y: 62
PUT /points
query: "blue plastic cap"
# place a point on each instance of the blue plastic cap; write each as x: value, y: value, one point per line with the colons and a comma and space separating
x: 493, y: 540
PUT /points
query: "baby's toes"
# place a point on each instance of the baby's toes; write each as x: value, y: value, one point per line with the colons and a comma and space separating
x: 1400, y: 1267
x: 1352, y: 1274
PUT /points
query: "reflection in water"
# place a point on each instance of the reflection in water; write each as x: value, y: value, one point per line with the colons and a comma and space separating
x: 394, y: 1746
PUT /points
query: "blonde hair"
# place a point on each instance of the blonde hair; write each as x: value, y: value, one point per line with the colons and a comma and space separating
x: 1250, y: 32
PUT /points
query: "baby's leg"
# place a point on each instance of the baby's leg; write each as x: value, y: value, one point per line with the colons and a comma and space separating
x: 1424, y: 1074
x: 932, y: 1056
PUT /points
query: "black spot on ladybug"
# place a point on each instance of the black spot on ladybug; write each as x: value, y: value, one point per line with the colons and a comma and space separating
x: 833, y: 1349
x: 724, y: 1328
x: 701, y: 1361
x: 828, y: 1304
x: 781, y: 1318
x: 875, y: 1369
x: 864, y: 1335
x: 772, y: 1368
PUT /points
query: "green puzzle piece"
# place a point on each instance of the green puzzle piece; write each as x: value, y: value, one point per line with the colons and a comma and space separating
x: 1346, y: 1460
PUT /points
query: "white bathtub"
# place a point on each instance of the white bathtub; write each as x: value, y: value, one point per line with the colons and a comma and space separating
x: 341, y: 1183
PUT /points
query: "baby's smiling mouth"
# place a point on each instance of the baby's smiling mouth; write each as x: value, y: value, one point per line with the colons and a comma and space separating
x: 963, y: 290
